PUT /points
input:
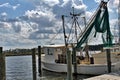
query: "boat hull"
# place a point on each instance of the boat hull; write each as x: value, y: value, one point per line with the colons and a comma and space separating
x: 90, y: 69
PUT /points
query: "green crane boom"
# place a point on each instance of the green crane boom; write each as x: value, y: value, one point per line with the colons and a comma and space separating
x: 100, y: 24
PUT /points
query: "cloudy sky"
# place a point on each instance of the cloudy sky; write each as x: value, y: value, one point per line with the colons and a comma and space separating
x: 29, y: 23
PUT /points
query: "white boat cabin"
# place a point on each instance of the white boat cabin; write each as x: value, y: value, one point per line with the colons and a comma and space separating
x: 53, y: 53
x: 57, y: 54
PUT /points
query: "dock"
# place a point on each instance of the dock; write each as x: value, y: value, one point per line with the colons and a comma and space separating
x: 110, y: 76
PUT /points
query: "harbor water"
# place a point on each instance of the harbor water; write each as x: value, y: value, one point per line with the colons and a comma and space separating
x: 20, y: 68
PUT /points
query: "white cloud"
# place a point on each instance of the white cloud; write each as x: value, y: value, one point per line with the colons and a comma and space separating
x: 15, y: 40
x: 113, y: 4
x: 8, y: 5
x: 51, y: 2
x: 113, y: 22
x: 24, y: 28
x: 5, y: 28
x: 33, y: 25
x: 4, y: 14
x: 98, y: 1
x: 39, y: 13
x: 114, y: 28
x: 88, y: 15
x: 110, y: 10
x: 116, y: 3
x: 18, y: 38
x: 5, y: 5
x: 5, y: 25
x: 78, y: 4
x: 44, y: 23
x: 116, y: 10
x: 15, y: 7
x: 64, y: 3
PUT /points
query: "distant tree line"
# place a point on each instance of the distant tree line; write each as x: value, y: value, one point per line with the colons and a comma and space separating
x: 16, y: 52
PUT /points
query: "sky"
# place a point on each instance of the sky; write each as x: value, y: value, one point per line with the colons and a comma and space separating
x: 29, y: 23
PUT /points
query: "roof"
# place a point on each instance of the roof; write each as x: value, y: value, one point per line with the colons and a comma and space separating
x: 114, y: 47
x: 55, y: 45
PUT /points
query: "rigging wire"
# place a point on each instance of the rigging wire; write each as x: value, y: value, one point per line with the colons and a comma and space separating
x: 60, y: 30
x: 70, y: 31
x: 54, y: 36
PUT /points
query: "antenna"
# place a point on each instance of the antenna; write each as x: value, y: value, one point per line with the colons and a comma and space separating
x: 75, y: 22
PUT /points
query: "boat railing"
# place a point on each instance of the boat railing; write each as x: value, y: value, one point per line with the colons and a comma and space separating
x: 113, y: 49
x: 80, y: 59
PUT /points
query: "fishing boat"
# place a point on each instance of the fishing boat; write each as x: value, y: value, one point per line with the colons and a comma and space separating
x: 93, y: 62
x: 55, y: 60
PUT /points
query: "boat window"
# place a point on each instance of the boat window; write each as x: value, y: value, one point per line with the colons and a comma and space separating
x: 58, y: 49
x: 49, y: 52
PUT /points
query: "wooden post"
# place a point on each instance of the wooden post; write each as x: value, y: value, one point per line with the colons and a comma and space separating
x: 39, y: 61
x: 68, y: 54
x: 74, y: 61
x: 69, y: 66
x: 34, y: 64
x: 108, y: 60
x: 2, y: 66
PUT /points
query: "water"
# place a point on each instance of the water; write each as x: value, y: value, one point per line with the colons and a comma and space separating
x: 20, y: 68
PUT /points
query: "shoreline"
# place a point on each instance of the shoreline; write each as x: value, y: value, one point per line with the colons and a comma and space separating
x: 18, y: 54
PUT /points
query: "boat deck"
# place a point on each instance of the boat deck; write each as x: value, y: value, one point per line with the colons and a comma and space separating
x: 111, y: 76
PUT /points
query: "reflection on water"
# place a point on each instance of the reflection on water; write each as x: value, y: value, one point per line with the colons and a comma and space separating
x: 20, y: 68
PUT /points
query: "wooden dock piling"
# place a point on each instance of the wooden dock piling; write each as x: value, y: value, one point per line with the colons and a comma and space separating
x: 108, y: 60
x: 74, y: 61
x: 2, y: 65
x: 34, y: 64
x: 69, y: 66
x: 39, y: 61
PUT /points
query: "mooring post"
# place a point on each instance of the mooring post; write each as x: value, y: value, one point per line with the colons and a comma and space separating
x: 68, y: 54
x: 108, y: 60
x: 34, y: 64
x: 2, y: 65
x: 39, y: 61
x: 69, y: 65
x: 74, y: 62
